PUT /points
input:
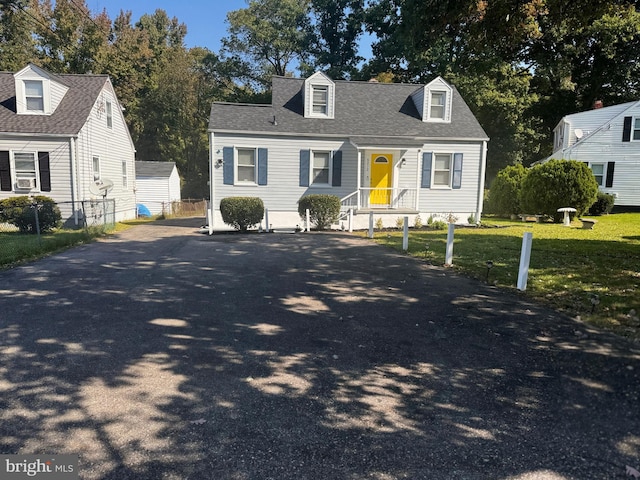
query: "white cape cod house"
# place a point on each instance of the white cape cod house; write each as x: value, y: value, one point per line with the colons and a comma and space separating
x: 392, y: 149
x: 64, y: 136
x: 608, y: 140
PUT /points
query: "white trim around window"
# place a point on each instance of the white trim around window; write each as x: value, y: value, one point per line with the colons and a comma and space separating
x: 321, y: 168
x: 599, y: 171
x: 635, y: 129
x: 95, y: 167
x: 25, y: 168
x: 442, y: 171
x: 246, y: 166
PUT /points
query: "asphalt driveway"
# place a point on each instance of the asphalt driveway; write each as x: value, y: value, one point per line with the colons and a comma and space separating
x: 163, y: 353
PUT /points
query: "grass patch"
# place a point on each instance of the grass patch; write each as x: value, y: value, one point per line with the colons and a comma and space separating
x: 569, y: 267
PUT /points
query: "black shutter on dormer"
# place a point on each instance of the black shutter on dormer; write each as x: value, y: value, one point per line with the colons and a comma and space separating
x: 5, y: 172
x: 626, y: 129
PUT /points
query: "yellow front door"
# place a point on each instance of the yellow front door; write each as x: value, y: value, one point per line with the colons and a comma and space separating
x: 381, y: 170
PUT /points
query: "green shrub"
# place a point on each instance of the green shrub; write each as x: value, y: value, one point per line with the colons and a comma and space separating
x: 603, y: 205
x: 20, y: 211
x: 242, y: 212
x: 504, y: 194
x: 556, y: 184
x: 323, y: 209
x: 439, y: 225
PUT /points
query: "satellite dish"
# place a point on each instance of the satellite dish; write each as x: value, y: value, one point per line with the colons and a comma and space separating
x: 579, y: 133
x: 101, y: 187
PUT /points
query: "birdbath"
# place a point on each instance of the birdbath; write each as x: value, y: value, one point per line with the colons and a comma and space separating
x: 567, y: 218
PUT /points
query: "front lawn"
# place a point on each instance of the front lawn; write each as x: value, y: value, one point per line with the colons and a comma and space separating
x: 594, y: 274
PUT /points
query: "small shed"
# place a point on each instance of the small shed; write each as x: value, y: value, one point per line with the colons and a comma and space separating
x: 157, y: 186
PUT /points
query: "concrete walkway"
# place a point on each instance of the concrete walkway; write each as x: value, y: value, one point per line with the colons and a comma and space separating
x: 163, y: 353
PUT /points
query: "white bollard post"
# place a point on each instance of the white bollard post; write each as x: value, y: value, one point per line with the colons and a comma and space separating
x: 405, y: 234
x: 210, y: 220
x: 350, y: 220
x: 266, y: 220
x: 308, y: 213
x: 525, y: 258
x: 370, y: 235
x: 449, y: 253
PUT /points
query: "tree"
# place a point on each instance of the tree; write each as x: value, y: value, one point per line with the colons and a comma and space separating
x: 332, y: 42
x: 556, y: 184
x: 265, y: 39
x: 504, y: 195
x: 17, y: 46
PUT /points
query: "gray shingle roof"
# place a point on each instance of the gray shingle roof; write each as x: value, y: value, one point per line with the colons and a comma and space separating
x: 154, y: 169
x: 67, y: 119
x: 361, y: 109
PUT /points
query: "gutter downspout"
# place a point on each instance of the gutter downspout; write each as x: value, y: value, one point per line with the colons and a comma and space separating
x: 483, y: 168
x: 211, y: 189
x: 74, y: 179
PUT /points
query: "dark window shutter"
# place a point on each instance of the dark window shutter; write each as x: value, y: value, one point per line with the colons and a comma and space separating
x: 305, y: 158
x: 227, y: 165
x: 45, y: 172
x: 263, y: 156
x: 426, y: 169
x: 626, y: 130
x: 336, y: 178
x: 610, y: 168
x: 5, y: 172
x: 457, y: 171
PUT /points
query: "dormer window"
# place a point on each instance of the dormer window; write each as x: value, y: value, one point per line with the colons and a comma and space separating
x: 34, y: 95
x: 320, y: 99
x: 319, y: 96
x: 437, y: 105
x: 434, y: 101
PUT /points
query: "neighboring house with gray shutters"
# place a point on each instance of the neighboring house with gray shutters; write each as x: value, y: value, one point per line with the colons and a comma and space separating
x: 608, y: 140
x: 65, y: 137
x: 157, y: 186
x: 392, y: 149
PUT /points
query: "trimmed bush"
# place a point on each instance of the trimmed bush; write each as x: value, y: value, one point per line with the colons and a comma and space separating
x: 556, y: 184
x: 20, y: 211
x: 324, y: 210
x: 242, y: 212
x: 504, y: 194
x: 603, y: 205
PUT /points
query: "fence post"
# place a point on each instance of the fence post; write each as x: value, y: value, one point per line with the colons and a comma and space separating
x: 35, y: 212
x: 405, y: 234
x: 266, y: 220
x: 525, y: 258
x: 350, y: 220
x: 449, y: 254
x: 370, y: 234
x: 308, y: 219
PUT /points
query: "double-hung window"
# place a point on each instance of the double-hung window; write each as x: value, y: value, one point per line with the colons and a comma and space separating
x: 321, y: 169
x: 636, y: 128
x: 34, y: 95
x: 26, y: 169
x: 598, y: 172
x: 246, y: 165
x: 320, y: 94
x: 125, y: 175
x: 442, y: 170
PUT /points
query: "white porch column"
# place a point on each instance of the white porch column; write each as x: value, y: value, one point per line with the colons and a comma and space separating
x: 359, y: 176
x: 483, y: 169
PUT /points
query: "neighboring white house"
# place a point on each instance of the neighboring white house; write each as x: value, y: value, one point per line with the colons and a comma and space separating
x: 65, y: 137
x: 157, y: 186
x: 608, y: 140
x: 392, y: 149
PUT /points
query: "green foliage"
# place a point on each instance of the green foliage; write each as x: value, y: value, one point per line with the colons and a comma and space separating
x: 603, y: 204
x: 556, y: 184
x: 438, y: 225
x: 242, y: 212
x: 504, y: 195
x: 417, y: 222
x: 20, y: 211
x: 399, y: 223
x: 379, y: 224
x: 323, y: 209
x: 471, y: 219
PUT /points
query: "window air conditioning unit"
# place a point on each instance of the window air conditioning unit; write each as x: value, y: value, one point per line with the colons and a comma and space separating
x: 26, y: 183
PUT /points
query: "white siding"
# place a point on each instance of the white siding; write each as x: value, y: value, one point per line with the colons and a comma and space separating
x: 156, y: 193
x: 418, y: 101
x: 605, y: 145
x: 283, y: 190
x: 59, y: 163
x: 57, y: 94
x: 113, y: 146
